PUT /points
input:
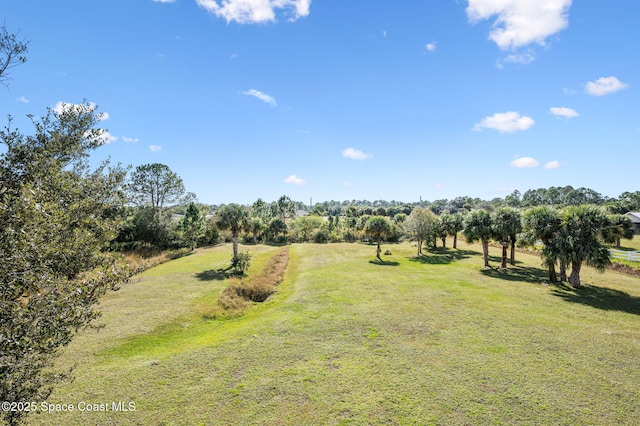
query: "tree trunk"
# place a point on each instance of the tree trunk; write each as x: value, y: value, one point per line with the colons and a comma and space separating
x: 234, y: 240
x: 378, y: 250
x: 444, y: 242
x: 419, y: 247
x: 504, y: 244
x: 574, y: 278
x: 455, y: 240
x: 563, y: 270
x: 618, y: 242
x: 485, y: 252
x: 513, y: 250
x: 552, y: 272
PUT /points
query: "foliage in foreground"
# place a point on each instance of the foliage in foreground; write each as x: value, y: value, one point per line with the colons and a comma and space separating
x: 56, y: 216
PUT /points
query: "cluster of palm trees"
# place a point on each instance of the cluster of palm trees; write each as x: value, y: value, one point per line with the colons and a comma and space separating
x: 569, y: 237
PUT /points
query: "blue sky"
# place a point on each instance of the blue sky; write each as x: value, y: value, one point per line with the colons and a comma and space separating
x: 346, y: 100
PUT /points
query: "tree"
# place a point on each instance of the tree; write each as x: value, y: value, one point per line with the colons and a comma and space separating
x: 56, y: 218
x: 12, y: 53
x: 231, y: 217
x: 584, y: 225
x: 276, y: 227
x: 543, y: 223
x: 306, y: 225
x: 508, y: 225
x: 453, y: 223
x: 377, y: 227
x: 192, y: 226
x: 420, y: 226
x: 620, y: 226
x: 479, y: 226
x: 155, y: 187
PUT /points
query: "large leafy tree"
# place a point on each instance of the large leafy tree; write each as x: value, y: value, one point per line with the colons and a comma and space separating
x: 56, y: 217
x: 377, y: 227
x: 232, y: 217
x: 155, y: 188
x: 479, y: 227
x: 421, y: 226
x: 620, y: 226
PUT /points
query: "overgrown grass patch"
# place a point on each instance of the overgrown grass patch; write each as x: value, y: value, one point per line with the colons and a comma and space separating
x: 431, y: 340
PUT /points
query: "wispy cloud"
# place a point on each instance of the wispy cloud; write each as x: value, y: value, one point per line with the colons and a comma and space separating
x: 130, y: 140
x: 441, y: 185
x: 604, y: 86
x: 505, y: 122
x: 551, y: 165
x: 520, y: 22
x: 431, y: 47
x: 60, y: 107
x: 522, y: 58
x: 155, y: 148
x: 255, y: 11
x: 355, y: 154
x: 260, y: 95
x: 295, y: 180
x: 564, y: 112
x: 22, y: 99
x: 163, y: 1
x: 525, y: 162
x: 349, y: 185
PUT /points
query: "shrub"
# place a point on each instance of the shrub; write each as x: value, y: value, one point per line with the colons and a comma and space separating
x: 387, y: 252
x: 242, y: 262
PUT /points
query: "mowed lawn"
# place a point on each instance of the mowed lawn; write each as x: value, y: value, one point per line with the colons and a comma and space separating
x: 430, y: 340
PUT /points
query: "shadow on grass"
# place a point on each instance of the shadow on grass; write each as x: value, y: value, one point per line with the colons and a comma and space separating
x: 518, y: 273
x: 607, y: 299
x: 216, y: 274
x: 384, y: 263
x: 440, y: 256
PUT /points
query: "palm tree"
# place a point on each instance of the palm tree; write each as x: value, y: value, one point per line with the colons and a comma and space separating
x: 542, y: 223
x: 620, y: 226
x: 453, y: 223
x: 377, y: 227
x: 583, y: 226
x: 231, y: 217
x: 507, y: 224
x: 479, y: 226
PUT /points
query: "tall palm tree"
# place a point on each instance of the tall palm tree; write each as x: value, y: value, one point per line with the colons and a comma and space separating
x: 231, y: 217
x: 508, y: 225
x: 479, y: 226
x: 377, y: 227
x: 543, y: 223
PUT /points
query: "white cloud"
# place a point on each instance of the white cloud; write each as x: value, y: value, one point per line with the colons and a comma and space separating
x: 23, y: 100
x: 520, y: 22
x: 384, y: 33
x: 106, y: 137
x: 349, y: 184
x: 255, y: 11
x: 155, y: 148
x: 564, y: 112
x: 295, y: 180
x: 356, y: 154
x: 163, y: 1
x: 552, y: 165
x: 525, y: 162
x: 505, y: 122
x: 260, y: 95
x: 431, y: 47
x: 604, y: 86
x: 441, y: 185
x: 130, y: 140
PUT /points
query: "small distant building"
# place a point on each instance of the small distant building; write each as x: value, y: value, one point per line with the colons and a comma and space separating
x: 635, y: 218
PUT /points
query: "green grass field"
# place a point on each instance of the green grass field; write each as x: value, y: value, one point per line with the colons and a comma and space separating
x: 346, y: 340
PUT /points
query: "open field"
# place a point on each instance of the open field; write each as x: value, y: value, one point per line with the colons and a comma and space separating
x: 430, y: 340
